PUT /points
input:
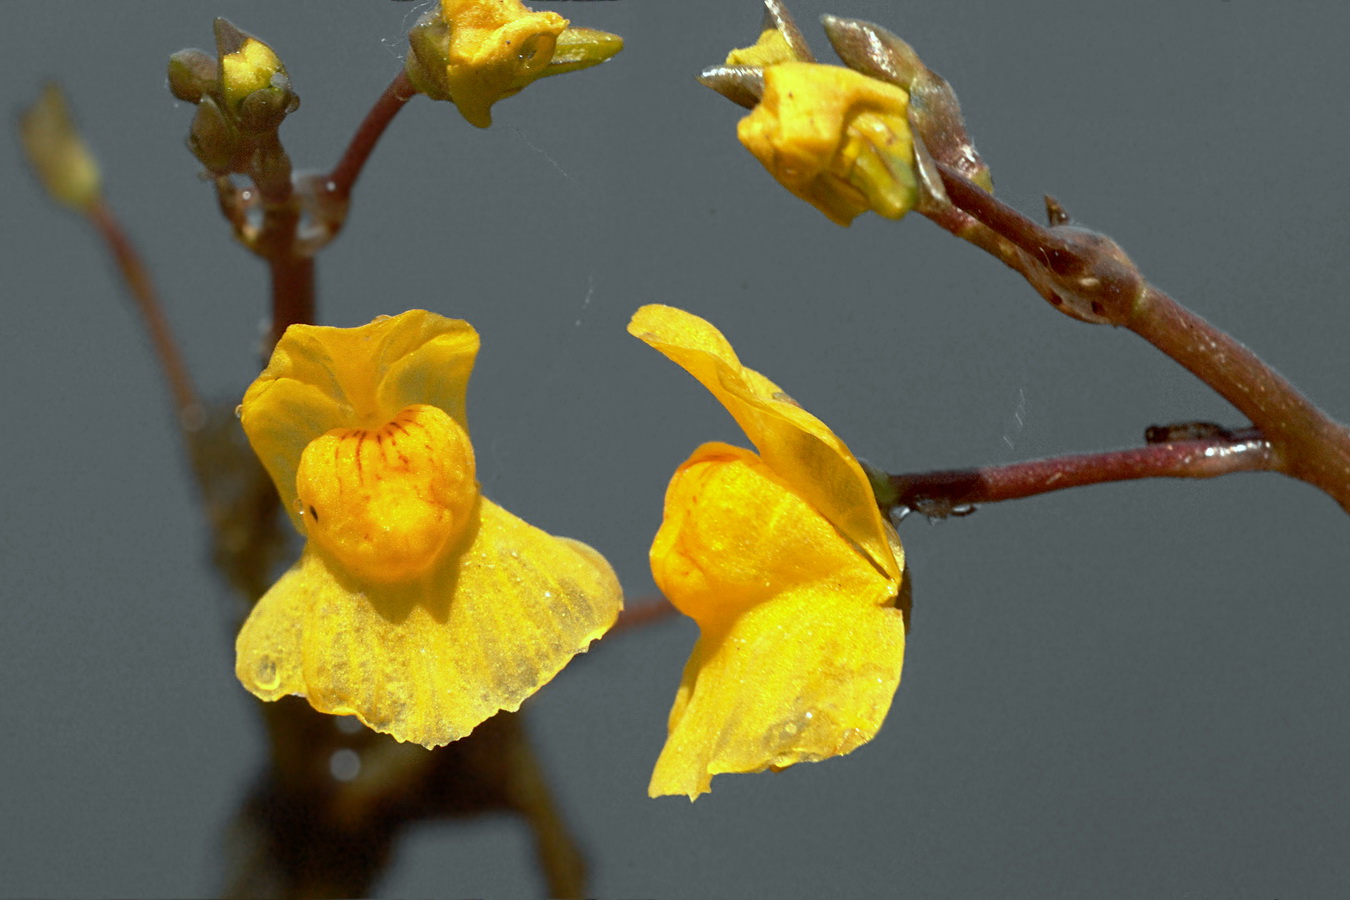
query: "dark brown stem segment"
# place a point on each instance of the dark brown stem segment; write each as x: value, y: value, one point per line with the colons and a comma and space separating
x: 394, y: 98
x: 138, y: 282
x: 949, y: 491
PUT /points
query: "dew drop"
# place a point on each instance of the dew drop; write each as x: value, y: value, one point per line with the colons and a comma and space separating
x: 299, y: 506
x: 239, y: 411
x: 266, y: 674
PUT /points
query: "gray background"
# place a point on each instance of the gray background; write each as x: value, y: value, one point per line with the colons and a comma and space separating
x: 1132, y: 690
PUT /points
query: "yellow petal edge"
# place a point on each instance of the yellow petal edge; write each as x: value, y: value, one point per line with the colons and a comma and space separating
x: 800, y: 448
x: 801, y: 644
x: 417, y: 605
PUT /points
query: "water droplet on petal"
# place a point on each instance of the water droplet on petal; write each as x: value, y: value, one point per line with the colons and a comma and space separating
x: 266, y: 674
x: 239, y: 411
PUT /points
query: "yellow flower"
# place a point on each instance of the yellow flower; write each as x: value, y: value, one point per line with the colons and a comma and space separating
x: 786, y: 564
x: 476, y: 52
x: 834, y: 137
x: 417, y: 605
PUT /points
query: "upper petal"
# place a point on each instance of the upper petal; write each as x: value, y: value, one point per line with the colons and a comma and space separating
x: 800, y: 448
x: 321, y: 378
x: 427, y: 662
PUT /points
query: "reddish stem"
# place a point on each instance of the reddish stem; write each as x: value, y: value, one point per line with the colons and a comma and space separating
x: 1304, y: 442
x: 942, y: 492
x: 1308, y: 444
x: 292, y: 294
x: 348, y: 169
x: 138, y: 282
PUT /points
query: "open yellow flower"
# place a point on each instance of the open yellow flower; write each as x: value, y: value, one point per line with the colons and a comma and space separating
x: 418, y: 605
x: 476, y: 52
x: 786, y: 564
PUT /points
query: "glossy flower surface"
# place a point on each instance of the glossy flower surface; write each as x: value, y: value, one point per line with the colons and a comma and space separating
x: 417, y: 605
x: 786, y: 564
x: 837, y: 139
x: 476, y: 52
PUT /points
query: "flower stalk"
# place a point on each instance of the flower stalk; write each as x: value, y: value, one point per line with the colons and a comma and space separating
x: 945, y: 492
x: 1087, y: 276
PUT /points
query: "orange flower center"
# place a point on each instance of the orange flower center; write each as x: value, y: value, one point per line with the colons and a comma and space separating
x: 387, y: 502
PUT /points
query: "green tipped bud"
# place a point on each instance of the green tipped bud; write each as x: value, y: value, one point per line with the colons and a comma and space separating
x: 248, y: 66
x: 213, y: 139
x: 192, y: 73
x: 57, y: 153
x: 581, y: 48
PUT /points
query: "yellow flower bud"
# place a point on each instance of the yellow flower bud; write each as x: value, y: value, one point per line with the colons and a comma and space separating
x: 837, y: 139
x: 250, y: 68
x: 476, y: 52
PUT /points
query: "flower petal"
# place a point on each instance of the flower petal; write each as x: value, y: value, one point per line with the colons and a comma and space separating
x: 321, y: 378
x: 803, y: 677
x: 800, y: 448
x: 801, y: 644
x: 430, y: 661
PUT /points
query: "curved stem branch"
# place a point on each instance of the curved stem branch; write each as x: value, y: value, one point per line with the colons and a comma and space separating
x: 1307, y: 443
x: 348, y: 169
x: 1304, y: 442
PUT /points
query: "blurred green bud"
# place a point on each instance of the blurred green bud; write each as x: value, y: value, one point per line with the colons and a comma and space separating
x: 57, y: 153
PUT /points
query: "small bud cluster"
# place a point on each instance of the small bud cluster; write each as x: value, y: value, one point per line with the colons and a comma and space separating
x: 242, y: 96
